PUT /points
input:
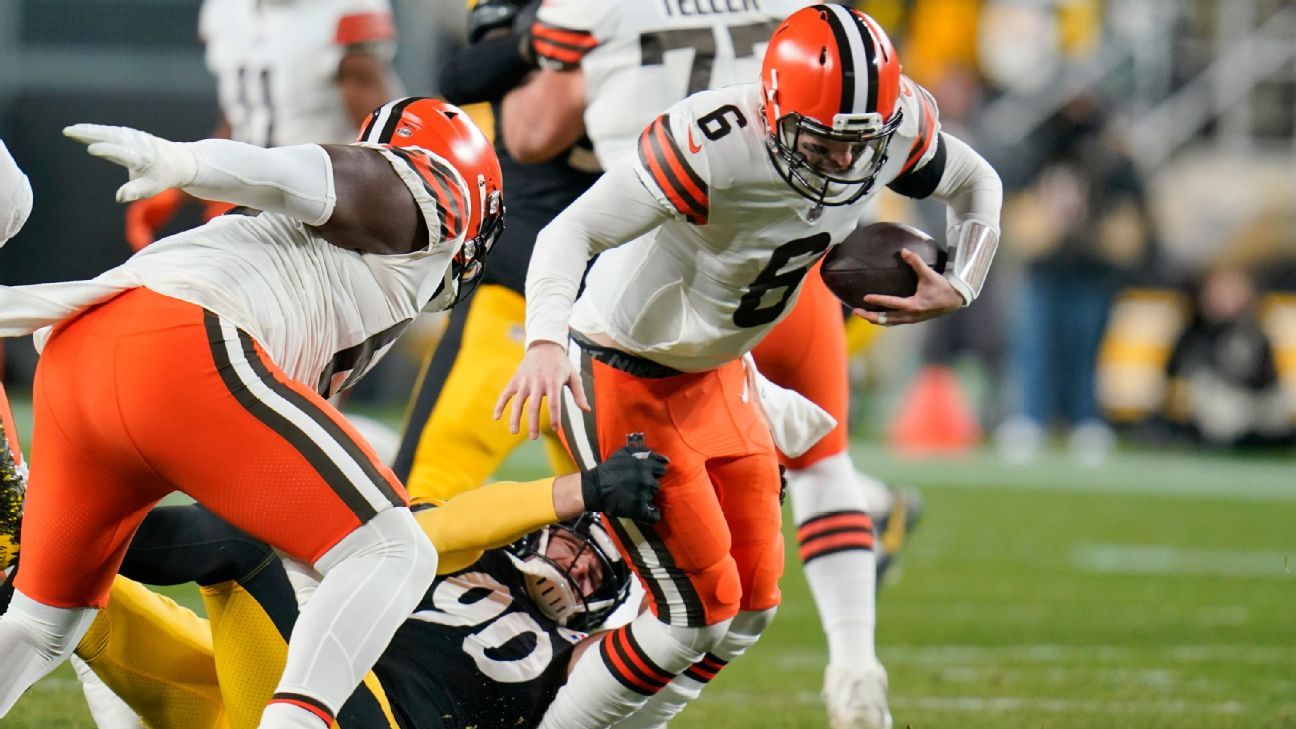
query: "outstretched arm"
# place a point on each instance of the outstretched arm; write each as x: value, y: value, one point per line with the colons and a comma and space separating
x: 351, y: 194
x: 544, y: 116
x: 624, y: 485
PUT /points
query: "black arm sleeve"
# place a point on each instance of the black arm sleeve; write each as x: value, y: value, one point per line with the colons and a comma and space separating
x: 483, y: 72
x: 921, y: 182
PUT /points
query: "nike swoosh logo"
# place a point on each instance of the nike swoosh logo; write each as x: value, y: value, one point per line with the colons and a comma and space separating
x: 694, y: 147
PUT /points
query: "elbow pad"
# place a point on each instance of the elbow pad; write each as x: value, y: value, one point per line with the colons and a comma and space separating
x: 15, y: 196
x: 973, y: 245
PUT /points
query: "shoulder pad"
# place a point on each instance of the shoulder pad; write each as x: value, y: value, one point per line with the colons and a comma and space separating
x: 673, y: 165
x: 921, y: 124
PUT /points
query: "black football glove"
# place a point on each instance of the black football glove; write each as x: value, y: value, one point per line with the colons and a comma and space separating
x: 522, y: 22
x: 626, y: 484
x: 488, y: 15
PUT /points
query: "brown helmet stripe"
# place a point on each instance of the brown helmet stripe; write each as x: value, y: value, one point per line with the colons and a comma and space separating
x: 844, y: 55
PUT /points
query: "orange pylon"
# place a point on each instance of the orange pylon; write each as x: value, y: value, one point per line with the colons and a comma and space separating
x: 935, y: 417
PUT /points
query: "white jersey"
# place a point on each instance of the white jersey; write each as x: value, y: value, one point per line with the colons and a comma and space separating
x: 704, y: 287
x: 323, y: 314
x: 276, y: 64
x: 641, y: 56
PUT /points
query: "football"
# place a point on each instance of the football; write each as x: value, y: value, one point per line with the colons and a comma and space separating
x: 869, y: 262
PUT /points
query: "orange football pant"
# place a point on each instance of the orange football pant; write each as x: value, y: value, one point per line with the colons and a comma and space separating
x: 144, y: 395
x: 718, y: 547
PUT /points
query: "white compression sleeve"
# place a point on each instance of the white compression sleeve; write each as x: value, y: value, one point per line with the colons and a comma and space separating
x: 615, y: 210
x: 969, y: 186
x: 15, y: 196
x: 296, y: 181
x: 34, y: 639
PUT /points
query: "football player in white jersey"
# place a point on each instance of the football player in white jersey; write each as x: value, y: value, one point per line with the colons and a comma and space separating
x: 287, y: 72
x: 631, y: 60
x: 298, y: 71
x: 704, y: 243
x: 235, y: 333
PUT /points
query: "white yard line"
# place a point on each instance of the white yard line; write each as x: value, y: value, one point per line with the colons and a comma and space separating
x: 1132, y: 559
x: 1091, y: 656
x: 1062, y: 706
x: 1001, y: 704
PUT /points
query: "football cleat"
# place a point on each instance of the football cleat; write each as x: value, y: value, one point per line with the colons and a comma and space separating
x: 856, y: 698
x: 893, y: 526
x: 13, y: 488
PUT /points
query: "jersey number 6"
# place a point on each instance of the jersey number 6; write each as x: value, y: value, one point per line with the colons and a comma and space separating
x: 750, y: 312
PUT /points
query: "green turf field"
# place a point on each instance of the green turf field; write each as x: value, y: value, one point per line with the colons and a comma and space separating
x: 1156, y: 591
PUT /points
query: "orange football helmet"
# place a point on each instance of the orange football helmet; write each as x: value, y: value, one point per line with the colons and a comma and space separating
x: 448, y: 135
x: 831, y: 93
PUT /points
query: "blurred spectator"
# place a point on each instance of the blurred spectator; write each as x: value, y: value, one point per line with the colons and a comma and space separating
x: 287, y: 72
x: 1224, y: 387
x: 1083, y: 229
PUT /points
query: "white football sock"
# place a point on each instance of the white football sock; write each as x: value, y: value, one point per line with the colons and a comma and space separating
x: 34, y: 639
x: 836, y: 537
x: 373, y: 580
x: 876, y: 493
x: 670, y: 701
x: 628, y: 666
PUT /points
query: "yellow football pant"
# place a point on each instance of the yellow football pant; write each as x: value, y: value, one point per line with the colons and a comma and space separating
x: 462, y: 444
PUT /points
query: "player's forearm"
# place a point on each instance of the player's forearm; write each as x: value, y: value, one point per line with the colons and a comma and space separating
x: 544, y: 116
x: 497, y: 515
x: 491, y: 516
x: 974, y: 195
x: 615, y: 210
x: 296, y: 181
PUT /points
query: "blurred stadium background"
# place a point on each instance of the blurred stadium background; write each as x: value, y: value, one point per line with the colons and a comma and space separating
x: 1133, y: 574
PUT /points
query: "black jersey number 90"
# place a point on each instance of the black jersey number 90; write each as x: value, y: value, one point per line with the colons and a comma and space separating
x: 800, y: 254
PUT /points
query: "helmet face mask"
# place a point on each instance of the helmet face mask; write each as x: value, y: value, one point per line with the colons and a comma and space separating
x: 830, y: 166
x: 470, y: 262
x: 573, y: 572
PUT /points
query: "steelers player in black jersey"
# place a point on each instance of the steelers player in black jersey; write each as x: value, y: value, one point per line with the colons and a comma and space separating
x: 451, y: 443
x: 488, y: 645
